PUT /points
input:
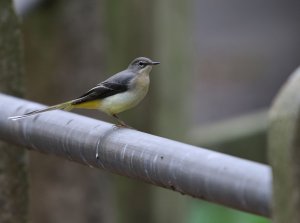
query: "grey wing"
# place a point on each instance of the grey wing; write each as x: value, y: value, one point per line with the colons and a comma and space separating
x: 113, y: 85
x: 122, y: 77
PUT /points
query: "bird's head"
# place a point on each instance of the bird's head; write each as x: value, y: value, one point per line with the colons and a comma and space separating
x: 142, y: 64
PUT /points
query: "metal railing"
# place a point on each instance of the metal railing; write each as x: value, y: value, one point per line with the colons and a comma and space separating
x: 198, y: 172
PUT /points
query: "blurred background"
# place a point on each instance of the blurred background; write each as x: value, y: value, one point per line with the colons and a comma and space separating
x: 222, y: 63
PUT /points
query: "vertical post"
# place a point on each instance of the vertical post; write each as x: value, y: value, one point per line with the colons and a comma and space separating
x: 173, y: 41
x: 64, y: 58
x: 130, y: 33
x: 284, y: 151
x: 13, y: 168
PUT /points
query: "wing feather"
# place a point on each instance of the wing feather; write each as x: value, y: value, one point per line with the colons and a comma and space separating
x: 114, y: 85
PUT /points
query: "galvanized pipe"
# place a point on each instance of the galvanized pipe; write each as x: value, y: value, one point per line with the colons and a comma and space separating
x: 198, y: 172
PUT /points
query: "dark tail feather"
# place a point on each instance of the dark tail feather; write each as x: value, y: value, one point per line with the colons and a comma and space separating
x: 67, y: 106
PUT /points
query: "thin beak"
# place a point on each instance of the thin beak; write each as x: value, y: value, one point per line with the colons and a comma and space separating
x: 155, y: 63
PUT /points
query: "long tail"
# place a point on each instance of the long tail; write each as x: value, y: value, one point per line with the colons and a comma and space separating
x: 67, y: 106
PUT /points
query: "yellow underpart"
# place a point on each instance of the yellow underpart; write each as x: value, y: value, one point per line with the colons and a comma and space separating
x: 89, y: 104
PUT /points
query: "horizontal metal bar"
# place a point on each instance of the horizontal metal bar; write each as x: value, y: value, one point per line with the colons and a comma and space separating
x: 198, y: 172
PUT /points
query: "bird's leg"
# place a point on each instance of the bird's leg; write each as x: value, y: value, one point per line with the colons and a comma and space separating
x: 121, y: 123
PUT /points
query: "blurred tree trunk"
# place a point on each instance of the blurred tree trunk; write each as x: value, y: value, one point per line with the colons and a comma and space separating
x: 173, y: 42
x: 13, y: 165
x: 130, y: 32
x: 64, y: 49
x: 174, y: 48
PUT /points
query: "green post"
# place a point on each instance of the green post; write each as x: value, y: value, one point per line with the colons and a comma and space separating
x: 13, y: 165
x: 284, y: 152
x: 64, y: 58
x: 129, y: 26
x: 173, y: 44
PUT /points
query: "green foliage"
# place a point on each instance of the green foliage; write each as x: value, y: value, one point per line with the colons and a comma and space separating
x: 206, y: 212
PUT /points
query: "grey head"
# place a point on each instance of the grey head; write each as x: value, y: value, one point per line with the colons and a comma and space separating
x: 141, y: 63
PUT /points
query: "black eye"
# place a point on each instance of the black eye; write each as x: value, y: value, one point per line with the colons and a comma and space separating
x: 141, y: 64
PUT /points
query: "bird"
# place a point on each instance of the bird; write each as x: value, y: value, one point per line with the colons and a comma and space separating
x: 118, y: 93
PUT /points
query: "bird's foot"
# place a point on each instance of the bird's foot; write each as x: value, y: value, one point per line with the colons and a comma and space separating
x: 123, y: 125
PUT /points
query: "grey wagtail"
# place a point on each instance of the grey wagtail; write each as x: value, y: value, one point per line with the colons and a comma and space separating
x: 118, y: 93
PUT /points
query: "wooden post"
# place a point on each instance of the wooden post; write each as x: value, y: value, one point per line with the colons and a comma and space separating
x: 284, y: 151
x: 173, y: 42
x: 173, y: 48
x: 13, y: 168
x: 64, y: 58
x: 129, y: 26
